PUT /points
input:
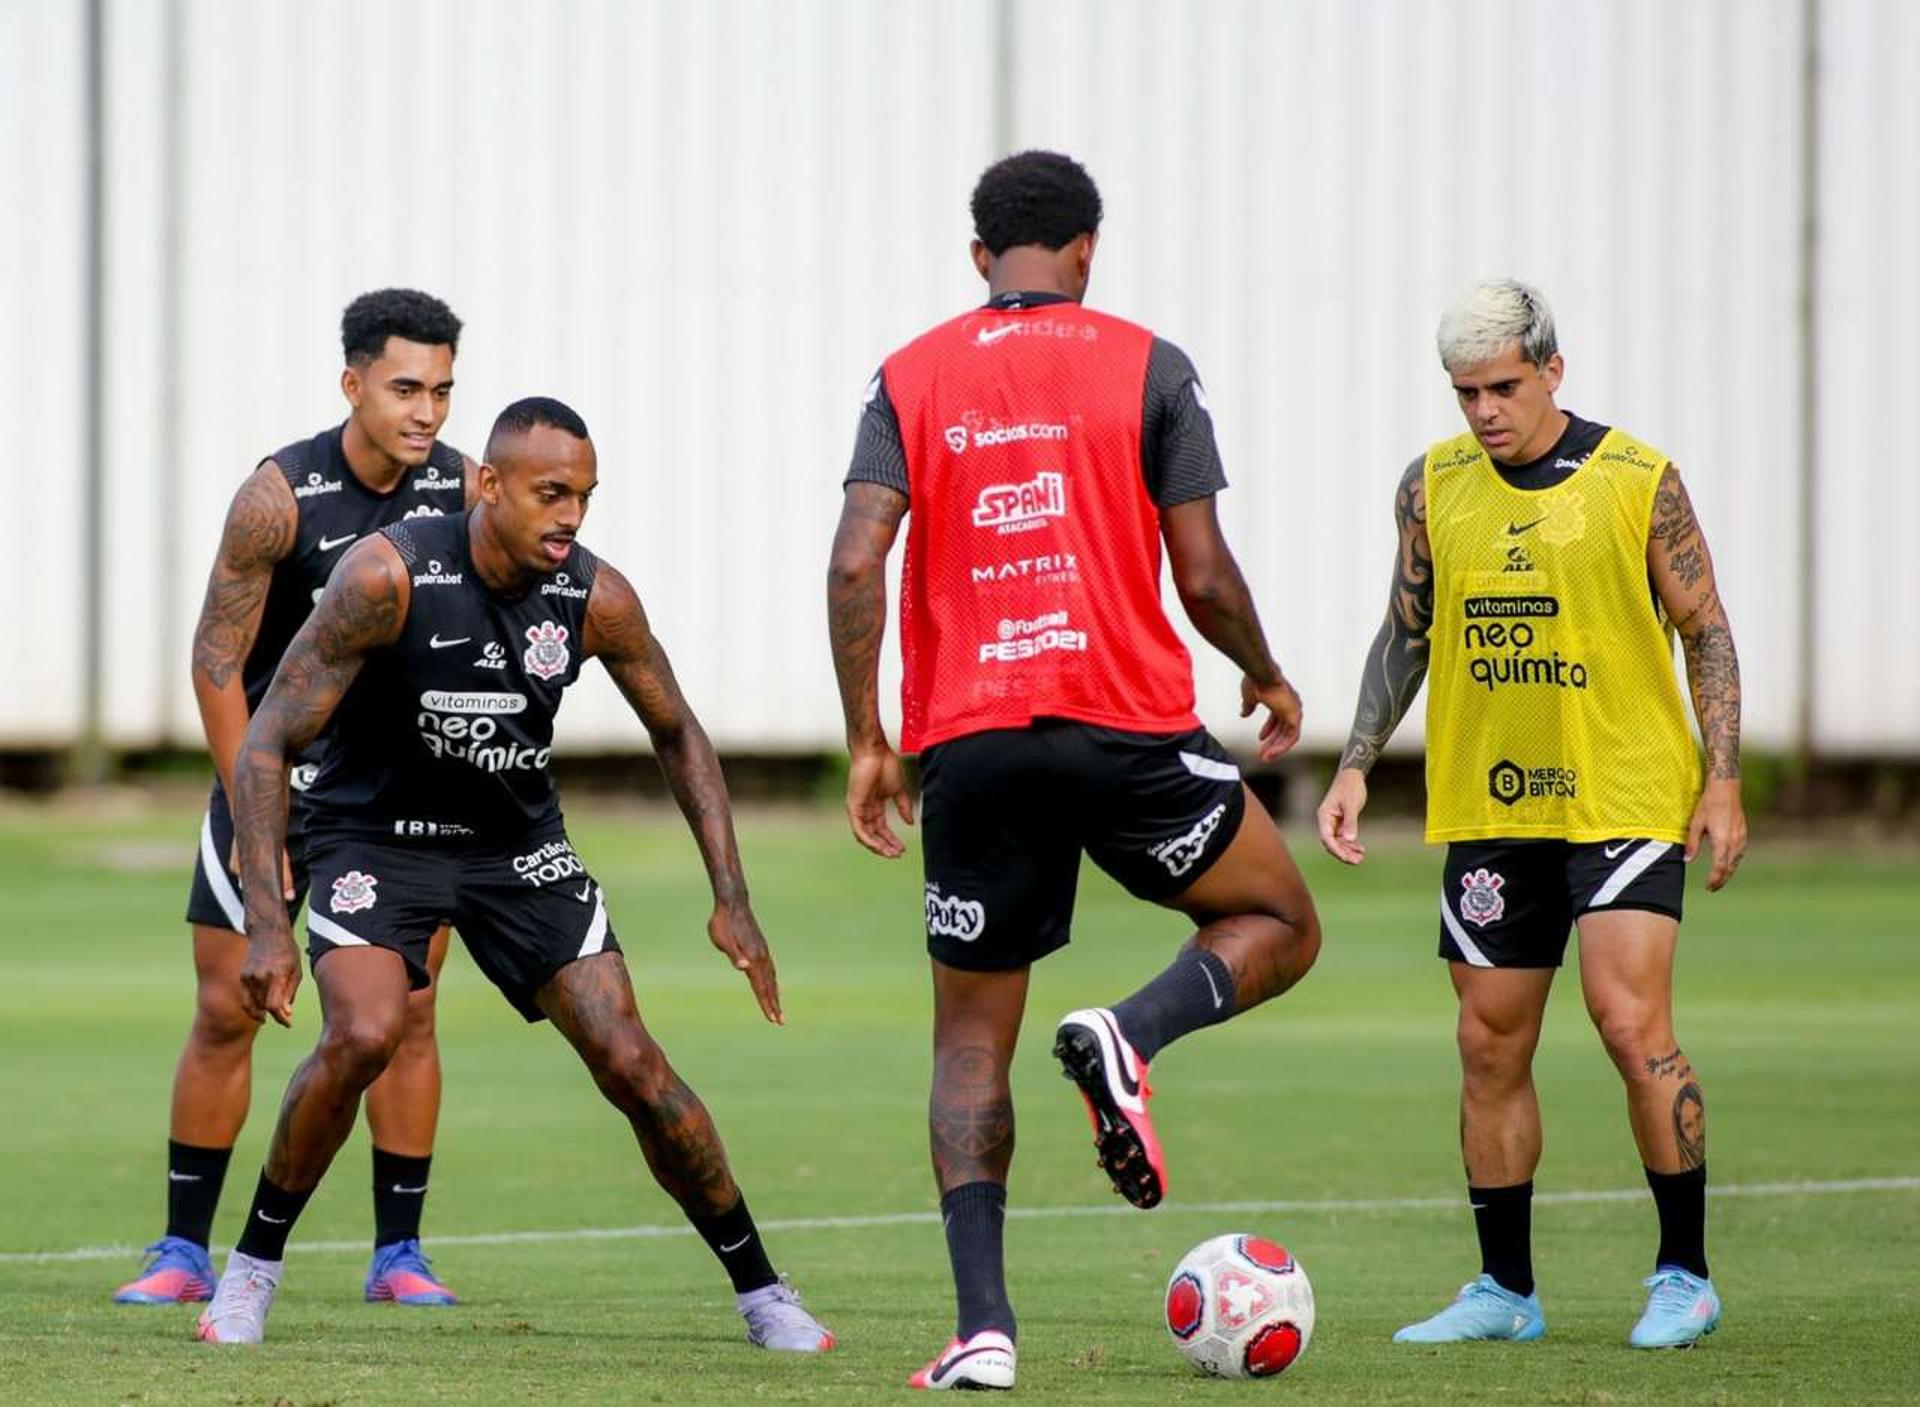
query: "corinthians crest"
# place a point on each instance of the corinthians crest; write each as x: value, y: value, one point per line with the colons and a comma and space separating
x: 1480, y: 901
x: 546, y: 656
x: 353, y: 891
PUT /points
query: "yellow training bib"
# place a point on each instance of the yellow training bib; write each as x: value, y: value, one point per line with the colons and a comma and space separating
x: 1553, y: 709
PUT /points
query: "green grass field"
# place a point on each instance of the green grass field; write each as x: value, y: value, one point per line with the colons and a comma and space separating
x: 1800, y: 1005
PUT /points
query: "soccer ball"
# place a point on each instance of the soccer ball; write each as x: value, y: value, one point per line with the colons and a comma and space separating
x: 1240, y: 1307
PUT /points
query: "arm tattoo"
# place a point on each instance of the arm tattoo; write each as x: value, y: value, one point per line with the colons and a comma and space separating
x: 970, y: 1118
x: 363, y: 607
x: 259, y: 533
x: 1397, y: 660
x: 618, y: 633
x: 1682, y: 570
x: 857, y: 602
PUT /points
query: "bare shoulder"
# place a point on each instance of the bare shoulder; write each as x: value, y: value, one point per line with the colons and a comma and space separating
x: 1410, y: 499
x: 616, y: 621
x: 1672, y: 508
x: 262, y: 521
x: 365, y: 603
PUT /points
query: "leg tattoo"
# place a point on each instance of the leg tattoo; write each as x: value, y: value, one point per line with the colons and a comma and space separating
x: 970, y: 1117
x: 1690, y: 1125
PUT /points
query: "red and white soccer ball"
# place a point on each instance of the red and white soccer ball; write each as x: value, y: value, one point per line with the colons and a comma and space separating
x: 1240, y: 1307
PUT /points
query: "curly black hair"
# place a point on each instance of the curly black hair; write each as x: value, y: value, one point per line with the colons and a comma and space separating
x: 529, y: 411
x: 1034, y: 197
x: 408, y: 313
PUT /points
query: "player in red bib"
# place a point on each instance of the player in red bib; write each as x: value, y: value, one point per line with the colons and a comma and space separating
x: 1042, y: 452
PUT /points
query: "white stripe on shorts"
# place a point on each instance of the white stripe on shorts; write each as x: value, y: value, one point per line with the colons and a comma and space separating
x: 1468, y: 949
x: 319, y: 923
x: 1630, y: 869
x: 218, y: 880
x: 1208, y: 768
x: 596, y: 938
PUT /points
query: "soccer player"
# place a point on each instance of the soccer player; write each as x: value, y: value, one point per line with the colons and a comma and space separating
x: 284, y: 532
x: 439, y: 652
x: 1543, y: 563
x: 1045, y: 451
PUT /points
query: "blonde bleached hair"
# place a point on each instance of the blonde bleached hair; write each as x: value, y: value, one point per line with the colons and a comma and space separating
x: 1479, y: 324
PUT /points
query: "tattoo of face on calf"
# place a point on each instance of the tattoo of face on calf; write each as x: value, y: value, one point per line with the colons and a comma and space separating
x: 1690, y: 1126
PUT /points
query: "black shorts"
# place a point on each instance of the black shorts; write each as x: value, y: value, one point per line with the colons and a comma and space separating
x: 1007, y: 813
x: 1510, y: 903
x: 524, y: 910
x: 214, y: 899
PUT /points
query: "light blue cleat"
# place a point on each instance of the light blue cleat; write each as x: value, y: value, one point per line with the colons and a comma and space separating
x: 1681, y: 1310
x: 1484, y: 1309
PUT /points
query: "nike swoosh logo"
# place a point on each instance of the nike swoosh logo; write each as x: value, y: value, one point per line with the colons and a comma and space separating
x: 729, y: 1250
x: 173, y: 1176
x: 434, y: 642
x: 327, y: 544
x: 582, y: 895
x: 1127, y: 1081
x: 1207, y: 973
x: 276, y: 1220
x: 987, y: 336
x: 409, y: 1191
x: 1613, y: 851
x: 1515, y: 529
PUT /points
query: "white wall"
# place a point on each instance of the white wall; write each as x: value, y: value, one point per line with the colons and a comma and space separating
x: 705, y: 223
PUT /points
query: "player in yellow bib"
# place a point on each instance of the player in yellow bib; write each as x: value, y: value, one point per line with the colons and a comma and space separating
x: 1544, y: 564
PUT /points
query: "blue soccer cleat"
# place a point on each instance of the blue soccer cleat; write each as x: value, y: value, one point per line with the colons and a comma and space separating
x: 1484, y: 1309
x: 1681, y: 1310
x: 402, y: 1274
x: 177, y: 1272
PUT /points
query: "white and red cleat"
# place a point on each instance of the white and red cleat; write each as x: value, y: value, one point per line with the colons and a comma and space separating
x: 238, y: 1313
x: 983, y: 1362
x: 1113, y: 1081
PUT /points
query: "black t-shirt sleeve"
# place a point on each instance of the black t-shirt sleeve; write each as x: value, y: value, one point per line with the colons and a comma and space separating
x: 879, y: 454
x: 1177, y: 449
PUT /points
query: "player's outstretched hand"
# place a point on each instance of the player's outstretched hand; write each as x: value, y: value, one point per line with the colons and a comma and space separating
x: 1339, y: 815
x: 270, y: 976
x: 1722, y: 820
x: 736, y: 932
x: 875, y: 778
x: 1282, y: 728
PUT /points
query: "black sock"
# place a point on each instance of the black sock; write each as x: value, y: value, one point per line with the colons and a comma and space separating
x: 1681, y: 1199
x: 399, y: 1196
x: 976, y: 1218
x: 270, y: 1221
x: 1504, y: 1218
x: 194, y: 1178
x: 1195, y: 991
x: 733, y: 1238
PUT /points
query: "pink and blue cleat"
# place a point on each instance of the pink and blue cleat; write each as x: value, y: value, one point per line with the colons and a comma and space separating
x: 177, y: 1272
x: 1681, y: 1310
x: 402, y: 1274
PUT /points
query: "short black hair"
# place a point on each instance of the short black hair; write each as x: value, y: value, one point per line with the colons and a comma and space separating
x: 1034, y: 197
x: 529, y: 411
x: 408, y: 313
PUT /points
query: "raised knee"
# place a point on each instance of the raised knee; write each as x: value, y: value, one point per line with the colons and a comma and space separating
x: 417, y: 1030
x: 1491, y: 1055
x: 220, y: 1020
x: 1638, y: 1042
x: 632, y: 1070
x: 361, y: 1044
